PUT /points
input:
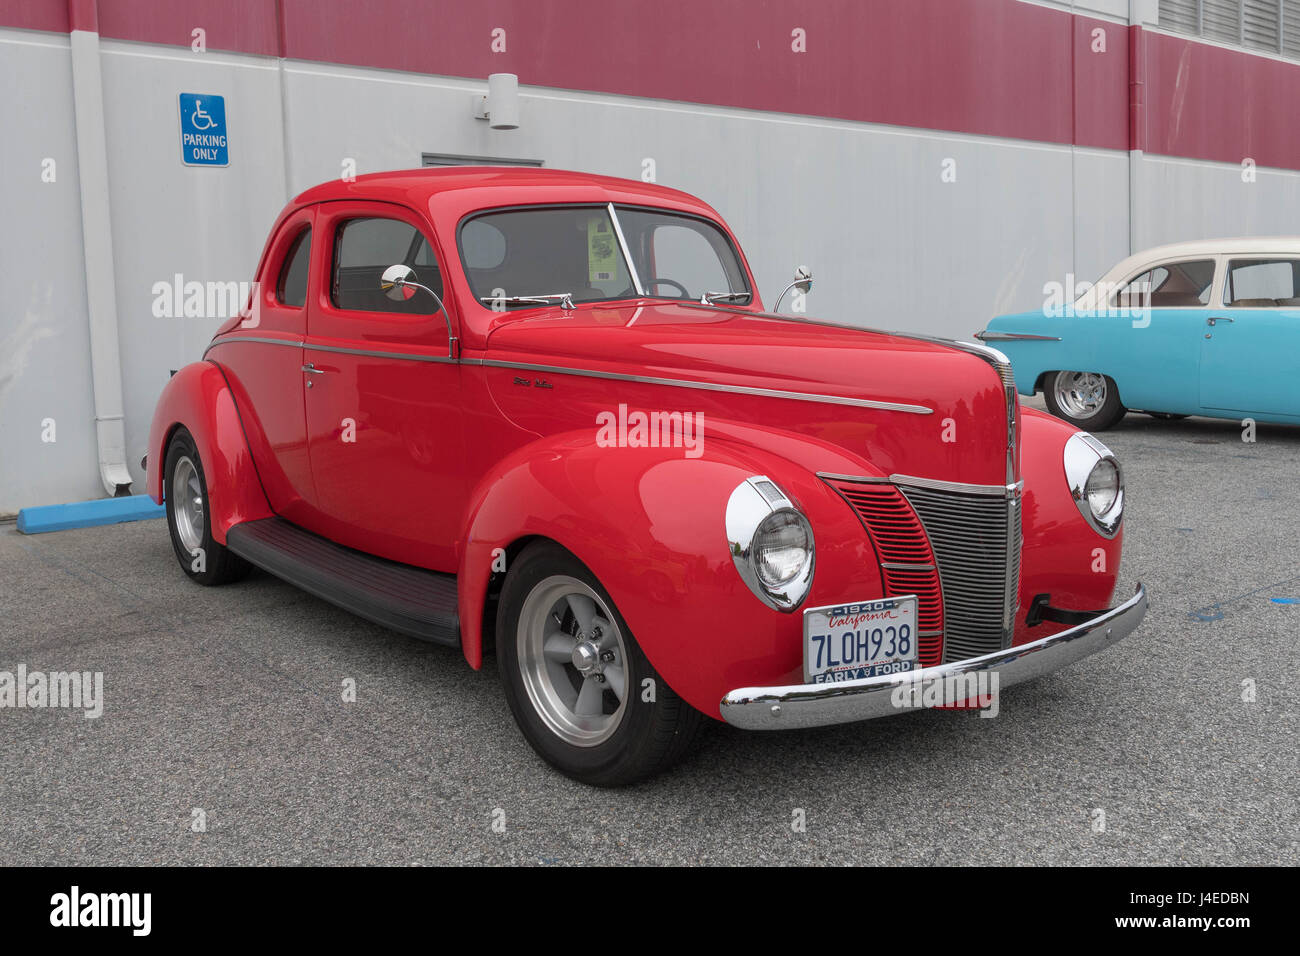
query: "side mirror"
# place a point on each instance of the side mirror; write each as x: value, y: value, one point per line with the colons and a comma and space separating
x: 398, y: 283
x: 803, y: 280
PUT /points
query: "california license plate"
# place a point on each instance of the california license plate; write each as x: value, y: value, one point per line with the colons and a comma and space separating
x: 852, y: 641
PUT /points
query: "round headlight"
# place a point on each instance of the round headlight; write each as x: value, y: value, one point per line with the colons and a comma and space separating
x: 1102, y: 488
x: 782, y: 547
x: 1096, y: 483
x: 771, y: 543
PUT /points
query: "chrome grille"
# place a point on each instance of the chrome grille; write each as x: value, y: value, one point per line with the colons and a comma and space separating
x: 976, y: 541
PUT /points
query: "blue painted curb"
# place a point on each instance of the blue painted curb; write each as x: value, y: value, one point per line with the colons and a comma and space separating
x: 87, y: 514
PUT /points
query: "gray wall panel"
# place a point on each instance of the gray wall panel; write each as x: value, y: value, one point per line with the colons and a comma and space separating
x: 44, y: 340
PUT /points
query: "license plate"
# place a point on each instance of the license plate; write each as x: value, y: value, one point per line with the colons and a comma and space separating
x: 852, y: 641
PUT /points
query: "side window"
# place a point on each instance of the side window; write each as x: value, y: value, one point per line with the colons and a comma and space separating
x: 364, y: 248
x: 684, y: 255
x: 1172, y: 285
x: 1262, y: 283
x: 291, y: 289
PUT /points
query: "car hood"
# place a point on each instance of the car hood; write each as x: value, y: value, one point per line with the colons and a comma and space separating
x: 873, y: 393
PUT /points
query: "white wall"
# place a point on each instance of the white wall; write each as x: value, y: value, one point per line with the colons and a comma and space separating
x: 890, y: 243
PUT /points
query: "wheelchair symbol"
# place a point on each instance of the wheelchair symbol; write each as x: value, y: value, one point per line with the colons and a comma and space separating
x: 198, y: 114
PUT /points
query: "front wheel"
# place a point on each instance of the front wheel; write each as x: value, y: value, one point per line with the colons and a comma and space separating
x: 583, y: 693
x: 1087, y: 400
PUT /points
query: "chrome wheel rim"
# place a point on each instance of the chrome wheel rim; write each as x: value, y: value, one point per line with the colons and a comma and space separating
x: 1080, y: 394
x: 187, y: 503
x: 573, y: 661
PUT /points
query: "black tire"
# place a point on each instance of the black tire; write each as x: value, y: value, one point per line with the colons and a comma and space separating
x: 205, y: 561
x: 650, y: 736
x: 1110, y: 411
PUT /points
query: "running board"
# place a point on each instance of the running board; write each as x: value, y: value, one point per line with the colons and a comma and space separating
x: 407, y: 599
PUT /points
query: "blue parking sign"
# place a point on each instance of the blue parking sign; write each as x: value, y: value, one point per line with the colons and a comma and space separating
x: 203, y: 130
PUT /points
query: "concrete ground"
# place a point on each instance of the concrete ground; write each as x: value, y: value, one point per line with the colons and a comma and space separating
x: 229, y: 701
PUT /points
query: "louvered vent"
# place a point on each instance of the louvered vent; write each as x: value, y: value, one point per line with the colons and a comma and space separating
x: 907, y: 563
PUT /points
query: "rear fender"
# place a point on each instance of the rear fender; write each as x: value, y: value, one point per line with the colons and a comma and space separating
x: 199, y: 399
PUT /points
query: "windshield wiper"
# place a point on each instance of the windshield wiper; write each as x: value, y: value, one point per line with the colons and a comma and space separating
x: 566, y: 299
x: 711, y: 297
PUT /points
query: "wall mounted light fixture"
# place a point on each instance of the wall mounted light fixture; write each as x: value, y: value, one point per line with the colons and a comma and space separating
x: 501, y: 105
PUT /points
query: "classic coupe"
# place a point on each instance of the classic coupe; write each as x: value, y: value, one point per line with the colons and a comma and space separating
x: 1198, y: 328
x: 544, y: 415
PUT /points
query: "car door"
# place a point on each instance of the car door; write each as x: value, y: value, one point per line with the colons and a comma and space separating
x: 1250, y: 352
x: 381, y: 392
x: 261, y: 358
x: 1148, y: 336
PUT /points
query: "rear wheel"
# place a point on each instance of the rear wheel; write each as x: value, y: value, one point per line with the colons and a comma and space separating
x: 186, y: 493
x: 583, y: 693
x: 1087, y: 400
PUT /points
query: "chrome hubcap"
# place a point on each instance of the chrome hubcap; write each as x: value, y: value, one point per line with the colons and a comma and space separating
x: 1080, y: 394
x: 187, y: 504
x: 573, y: 661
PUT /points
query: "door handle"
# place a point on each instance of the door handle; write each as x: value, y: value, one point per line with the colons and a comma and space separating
x: 1218, y: 318
x: 312, y: 369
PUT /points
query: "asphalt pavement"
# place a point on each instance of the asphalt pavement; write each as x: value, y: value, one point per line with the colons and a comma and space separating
x: 225, y: 736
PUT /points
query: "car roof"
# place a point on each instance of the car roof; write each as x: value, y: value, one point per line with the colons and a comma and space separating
x: 458, y: 189
x: 1240, y: 245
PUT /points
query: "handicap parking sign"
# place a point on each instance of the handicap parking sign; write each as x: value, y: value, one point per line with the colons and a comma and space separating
x: 203, y: 130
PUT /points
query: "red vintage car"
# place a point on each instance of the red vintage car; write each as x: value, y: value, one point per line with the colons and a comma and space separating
x: 545, y: 414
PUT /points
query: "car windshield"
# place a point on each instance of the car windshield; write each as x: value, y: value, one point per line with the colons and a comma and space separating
x: 522, y: 258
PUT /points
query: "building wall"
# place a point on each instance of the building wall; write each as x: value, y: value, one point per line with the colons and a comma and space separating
x: 837, y: 167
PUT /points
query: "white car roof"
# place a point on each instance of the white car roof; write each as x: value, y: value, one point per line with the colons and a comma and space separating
x: 1236, y: 246
x: 1248, y: 245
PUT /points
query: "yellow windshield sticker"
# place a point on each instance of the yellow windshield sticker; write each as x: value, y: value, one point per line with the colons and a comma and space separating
x: 602, y: 250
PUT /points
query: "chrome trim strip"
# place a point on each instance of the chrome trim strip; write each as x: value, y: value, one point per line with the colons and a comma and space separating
x: 904, y: 566
x: 627, y: 255
x: 709, y: 386
x: 813, y: 705
x: 994, y: 336
x: 226, y: 339
x: 299, y: 343
x: 1011, y: 594
x: 935, y: 484
x: 374, y: 353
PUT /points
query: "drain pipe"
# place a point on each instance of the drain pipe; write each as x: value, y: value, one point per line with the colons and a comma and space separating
x: 97, y: 245
x: 1139, y: 12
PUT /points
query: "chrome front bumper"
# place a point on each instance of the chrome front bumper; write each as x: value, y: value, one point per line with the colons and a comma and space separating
x: 814, y: 705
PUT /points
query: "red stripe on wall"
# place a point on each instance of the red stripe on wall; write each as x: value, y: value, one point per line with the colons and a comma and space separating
x: 1206, y: 102
x: 991, y: 67
x: 48, y: 15
x: 241, y: 26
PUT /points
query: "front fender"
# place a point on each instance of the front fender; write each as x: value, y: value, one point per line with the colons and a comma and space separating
x: 649, y: 524
x: 1063, y: 556
x: 198, y: 398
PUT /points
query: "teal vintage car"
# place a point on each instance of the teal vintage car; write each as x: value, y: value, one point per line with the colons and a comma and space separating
x: 1198, y: 328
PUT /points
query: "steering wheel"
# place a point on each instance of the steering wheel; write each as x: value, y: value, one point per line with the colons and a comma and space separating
x: 673, y: 282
